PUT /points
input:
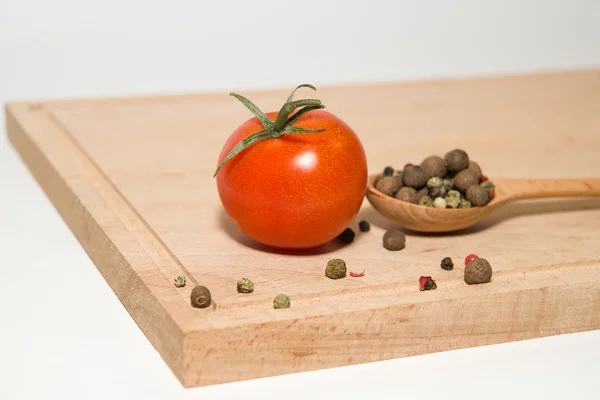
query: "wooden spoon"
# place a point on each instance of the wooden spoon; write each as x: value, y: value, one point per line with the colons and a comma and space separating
x: 429, y: 219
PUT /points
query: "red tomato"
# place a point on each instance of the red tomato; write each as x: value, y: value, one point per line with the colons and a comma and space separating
x: 297, y: 190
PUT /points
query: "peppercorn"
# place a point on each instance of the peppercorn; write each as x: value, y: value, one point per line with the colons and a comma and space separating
x: 489, y: 186
x: 394, y: 239
x: 407, y: 194
x: 452, y: 201
x: 179, y: 280
x: 473, y: 166
x: 483, y: 178
x: 448, y: 183
x: 335, y: 269
x: 434, y: 166
x: 377, y: 179
x: 456, y: 160
x: 437, y: 192
x: 423, y: 192
x: 465, y: 179
x: 454, y: 193
x: 447, y: 263
x: 427, y: 283
x: 388, y: 171
x: 426, y: 201
x: 434, y: 182
x: 415, y: 177
x: 470, y: 258
x: 364, y: 226
x: 347, y: 236
x: 464, y: 204
x: 398, y: 179
x: 281, y: 301
x: 478, y: 196
x: 478, y: 271
x: 200, y: 297
x: 388, y: 185
x: 245, y: 285
x: 439, y: 203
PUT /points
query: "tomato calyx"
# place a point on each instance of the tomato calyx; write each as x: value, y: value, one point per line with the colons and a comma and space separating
x: 289, y: 113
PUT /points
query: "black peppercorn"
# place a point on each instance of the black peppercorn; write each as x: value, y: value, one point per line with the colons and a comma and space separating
x: 347, y: 236
x: 456, y: 160
x: 434, y: 166
x: 447, y: 264
x: 388, y: 171
x: 394, y: 239
x: 364, y: 226
x: 388, y: 185
x: 465, y: 179
x: 200, y: 297
x: 478, y: 196
x: 415, y: 177
x: 407, y: 194
x: 478, y: 271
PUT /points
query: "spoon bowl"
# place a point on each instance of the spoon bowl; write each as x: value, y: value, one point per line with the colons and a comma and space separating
x: 429, y: 219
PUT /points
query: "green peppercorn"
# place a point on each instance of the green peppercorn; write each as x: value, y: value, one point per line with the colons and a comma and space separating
x: 388, y: 171
x: 447, y: 264
x: 434, y: 182
x: 452, y: 201
x: 245, y: 285
x: 200, y: 297
x: 179, y: 280
x: 364, y: 226
x: 456, y: 160
x: 465, y: 179
x: 335, y: 269
x: 281, y: 301
x: 464, y: 204
x: 415, y: 177
x: 454, y: 193
x: 473, y: 166
x: 439, y: 203
x: 394, y: 239
x: 426, y: 201
x: 408, y: 195
x: 489, y: 186
x: 434, y: 166
x: 388, y: 185
x: 448, y: 183
x: 437, y: 192
x: 478, y: 196
x: 478, y: 271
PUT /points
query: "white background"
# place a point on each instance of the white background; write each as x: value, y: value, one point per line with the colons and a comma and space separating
x: 64, y: 334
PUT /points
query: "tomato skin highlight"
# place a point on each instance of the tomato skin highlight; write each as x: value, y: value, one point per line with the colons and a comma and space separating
x: 298, y: 190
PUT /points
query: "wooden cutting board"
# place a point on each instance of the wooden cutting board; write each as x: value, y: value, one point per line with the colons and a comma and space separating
x: 133, y: 180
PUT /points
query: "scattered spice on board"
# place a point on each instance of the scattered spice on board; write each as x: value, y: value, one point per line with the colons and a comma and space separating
x: 455, y: 179
x: 347, y: 236
x: 200, y: 297
x: 447, y: 264
x: 336, y: 269
x: 245, y: 285
x: 394, y: 239
x: 357, y: 274
x: 281, y: 301
x: 364, y: 226
x: 478, y: 271
x: 427, y: 283
x: 179, y: 280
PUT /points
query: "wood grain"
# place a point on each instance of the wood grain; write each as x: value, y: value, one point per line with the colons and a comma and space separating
x: 133, y: 179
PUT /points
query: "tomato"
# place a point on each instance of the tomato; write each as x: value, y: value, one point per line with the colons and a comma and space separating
x: 296, y: 190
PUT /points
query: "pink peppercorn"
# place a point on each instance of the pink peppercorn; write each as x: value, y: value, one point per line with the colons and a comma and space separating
x: 470, y: 258
x: 483, y: 178
x: 408, y: 165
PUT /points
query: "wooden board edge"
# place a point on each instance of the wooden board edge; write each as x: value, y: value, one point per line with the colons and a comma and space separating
x: 165, y: 335
x: 371, y: 335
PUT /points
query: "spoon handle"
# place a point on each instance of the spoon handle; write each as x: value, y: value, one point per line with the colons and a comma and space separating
x: 515, y: 189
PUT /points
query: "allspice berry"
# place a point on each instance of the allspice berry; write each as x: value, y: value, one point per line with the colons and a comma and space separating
x: 415, y: 177
x: 281, y: 301
x: 434, y: 166
x: 478, y: 271
x: 456, y: 160
x: 388, y: 185
x: 245, y: 285
x: 473, y: 166
x: 422, y: 192
x: 478, y: 196
x: 394, y: 239
x: 200, y: 297
x: 336, y: 269
x: 465, y: 179
x: 407, y: 194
